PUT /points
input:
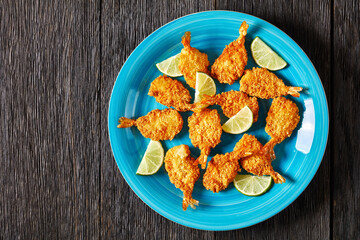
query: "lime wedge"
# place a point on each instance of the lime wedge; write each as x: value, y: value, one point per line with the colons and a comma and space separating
x: 240, y: 122
x: 152, y: 159
x: 205, y: 85
x: 170, y: 66
x: 252, y: 185
x: 265, y: 57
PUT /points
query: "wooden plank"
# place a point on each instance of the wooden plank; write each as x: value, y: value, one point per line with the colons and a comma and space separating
x: 346, y: 101
x: 50, y: 120
x: 123, y: 214
x: 308, y: 23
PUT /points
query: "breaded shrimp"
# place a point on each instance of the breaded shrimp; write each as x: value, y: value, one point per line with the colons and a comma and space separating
x: 204, y: 132
x: 262, y: 83
x: 170, y: 93
x: 182, y: 172
x: 246, y: 146
x: 258, y: 163
x: 221, y: 171
x: 222, y: 168
x: 192, y: 61
x: 231, y: 103
x: 282, y: 119
x: 157, y: 124
x: 230, y: 65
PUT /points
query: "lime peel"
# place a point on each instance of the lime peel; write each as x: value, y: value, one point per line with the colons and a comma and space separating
x: 251, y: 185
x: 239, y: 123
x: 205, y: 85
x: 152, y: 160
x: 265, y: 56
x: 170, y: 66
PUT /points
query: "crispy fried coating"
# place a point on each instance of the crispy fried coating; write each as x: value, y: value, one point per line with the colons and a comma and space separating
x: 221, y: 171
x: 231, y: 103
x: 230, y: 65
x: 157, y: 124
x: 259, y: 163
x: 247, y: 146
x: 223, y: 168
x: 204, y: 132
x: 262, y: 83
x: 282, y: 119
x: 170, y: 93
x: 192, y: 61
x: 182, y: 172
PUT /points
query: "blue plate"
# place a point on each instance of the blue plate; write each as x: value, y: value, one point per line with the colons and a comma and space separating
x: 298, y: 157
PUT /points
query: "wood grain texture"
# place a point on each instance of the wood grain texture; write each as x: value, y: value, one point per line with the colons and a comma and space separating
x: 124, y: 215
x: 50, y: 120
x: 308, y: 23
x: 58, y: 63
x: 346, y: 114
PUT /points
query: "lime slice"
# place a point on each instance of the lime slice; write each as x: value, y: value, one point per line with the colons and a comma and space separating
x: 252, y: 185
x: 265, y: 57
x: 170, y: 66
x: 239, y: 123
x: 152, y: 159
x: 205, y: 85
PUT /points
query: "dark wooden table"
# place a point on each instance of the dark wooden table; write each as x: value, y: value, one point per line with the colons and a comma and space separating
x: 58, y: 63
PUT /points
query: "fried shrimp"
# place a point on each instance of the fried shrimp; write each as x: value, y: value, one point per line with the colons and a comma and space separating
x: 222, y: 168
x: 221, y: 171
x: 282, y: 119
x: 262, y: 83
x: 170, y: 93
x: 230, y: 65
x: 246, y: 146
x: 260, y: 164
x: 257, y: 163
x: 192, y: 61
x: 204, y: 132
x: 157, y: 124
x: 182, y: 172
x: 231, y: 103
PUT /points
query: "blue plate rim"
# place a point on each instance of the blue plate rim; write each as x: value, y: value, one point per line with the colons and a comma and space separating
x: 154, y: 207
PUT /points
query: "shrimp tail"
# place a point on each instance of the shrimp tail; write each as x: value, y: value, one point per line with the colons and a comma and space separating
x: 189, y: 201
x: 185, y: 107
x: 205, y: 102
x: 243, y: 31
x: 126, y: 122
x: 294, y: 91
x: 269, y: 148
x: 237, y: 155
x: 198, y: 107
x: 202, y: 159
x: 278, y: 178
x: 186, y: 39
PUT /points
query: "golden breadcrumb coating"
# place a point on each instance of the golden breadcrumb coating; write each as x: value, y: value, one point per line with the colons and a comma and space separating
x: 246, y: 146
x: 231, y: 103
x: 262, y: 83
x: 204, y: 132
x: 282, y: 119
x: 170, y: 93
x: 182, y: 172
x: 192, y: 61
x: 230, y: 65
x: 221, y: 171
x: 157, y: 124
x: 258, y: 163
